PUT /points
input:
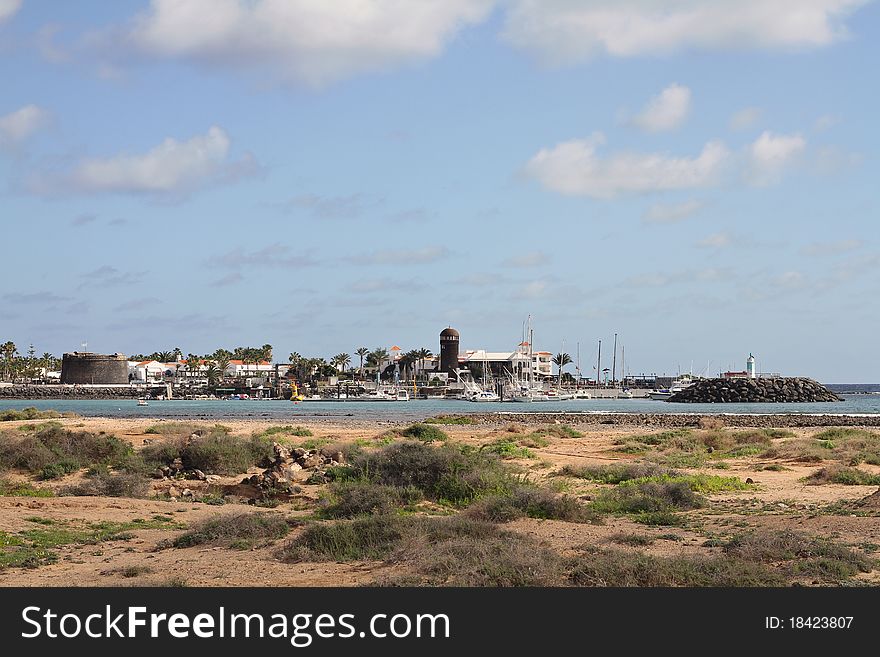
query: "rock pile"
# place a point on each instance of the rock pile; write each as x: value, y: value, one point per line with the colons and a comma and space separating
x: 294, y: 466
x: 719, y: 391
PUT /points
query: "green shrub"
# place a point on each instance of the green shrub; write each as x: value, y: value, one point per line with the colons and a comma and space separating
x: 22, y: 489
x: 107, y: 484
x: 31, y: 413
x: 215, y: 453
x: 617, y: 472
x: 534, y: 503
x: 240, y: 531
x: 562, y: 431
x: 55, y: 451
x: 349, y: 499
x: 508, y: 450
x: 633, y: 540
x: 368, y: 537
x: 286, y: 429
x: 425, y: 432
x: 443, y: 474
x: 617, y: 568
x: 640, y: 497
x: 450, y: 419
x: 843, y: 475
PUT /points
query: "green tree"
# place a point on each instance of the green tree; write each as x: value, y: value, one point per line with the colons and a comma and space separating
x: 362, y: 352
x: 193, y: 364
x: 341, y: 361
x: 561, y: 360
x: 8, y: 350
x: 424, y: 353
x: 212, y: 372
x: 377, y: 358
x: 221, y: 358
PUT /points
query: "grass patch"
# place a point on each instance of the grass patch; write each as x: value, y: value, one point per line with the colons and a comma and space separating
x: 839, y: 474
x: 562, y: 431
x: 287, y: 430
x: 450, y: 419
x: 42, y: 426
x: 618, y: 568
x: 633, y: 540
x: 184, y: 428
x: 616, y: 473
x: 849, y: 445
x: 32, y: 548
x: 22, y: 489
x: 241, y: 532
x: 507, y: 449
x: 129, y: 572
x: 31, y: 413
x: 799, y: 554
x: 700, y: 483
x: 533, y: 440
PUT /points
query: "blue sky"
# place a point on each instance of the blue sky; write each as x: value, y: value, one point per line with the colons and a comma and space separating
x: 695, y: 177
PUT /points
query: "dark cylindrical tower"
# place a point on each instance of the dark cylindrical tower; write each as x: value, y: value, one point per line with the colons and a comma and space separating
x: 97, y: 369
x: 449, y: 339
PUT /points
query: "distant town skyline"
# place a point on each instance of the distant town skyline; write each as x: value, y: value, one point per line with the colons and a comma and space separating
x: 698, y: 178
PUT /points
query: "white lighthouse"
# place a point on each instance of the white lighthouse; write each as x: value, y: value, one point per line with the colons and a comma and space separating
x: 750, y: 367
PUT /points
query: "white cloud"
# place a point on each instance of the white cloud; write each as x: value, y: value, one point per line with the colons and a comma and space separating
x: 311, y: 41
x: 662, y: 213
x: 8, y: 8
x: 533, y: 259
x: 172, y: 167
x: 745, y: 118
x: 402, y: 256
x: 831, y: 248
x: 665, y: 111
x: 562, y: 31
x: 716, y: 241
x: 574, y: 168
x: 770, y: 154
x: 17, y: 126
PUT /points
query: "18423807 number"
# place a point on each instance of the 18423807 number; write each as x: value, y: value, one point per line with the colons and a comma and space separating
x: 820, y: 622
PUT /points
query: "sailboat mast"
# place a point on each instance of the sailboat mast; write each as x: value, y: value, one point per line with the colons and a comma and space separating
x: 599, y: 363
x: 614, y: 362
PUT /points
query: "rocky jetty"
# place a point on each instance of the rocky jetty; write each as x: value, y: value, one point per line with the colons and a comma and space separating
x: 721, y: 391
x: 69, y: 392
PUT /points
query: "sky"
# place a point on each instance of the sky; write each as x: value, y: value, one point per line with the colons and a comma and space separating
x: 698, y: 178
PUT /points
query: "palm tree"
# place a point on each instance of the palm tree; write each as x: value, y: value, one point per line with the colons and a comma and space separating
x: 193, y: 364
x: 341, y: 361
x: 423, y: 354
x: 166, y: 356
x: 376, y: 357
x: 266, y: 352
x: 561, y: 360
x: 8, y: 351
x: 212, y: 372
x: 221, y: 358
x: 176, y: 354
x: 362, y: 351
x: 407, y: 361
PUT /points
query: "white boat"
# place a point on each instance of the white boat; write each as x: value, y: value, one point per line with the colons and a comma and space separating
x: 582, y: 394
x: 483, y: 396
x: 386, y: 395
x: 142, y: 402
x: 624, y: 394
x: 677, y: 386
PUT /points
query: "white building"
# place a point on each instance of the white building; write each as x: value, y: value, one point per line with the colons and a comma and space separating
x: 514, y: 362
x: 238, y: 368
x: 150, y: 370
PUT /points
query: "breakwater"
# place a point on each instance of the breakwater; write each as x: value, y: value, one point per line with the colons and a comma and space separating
x: 740, y: 391
x: 70, y: 392
x: 678, y: 420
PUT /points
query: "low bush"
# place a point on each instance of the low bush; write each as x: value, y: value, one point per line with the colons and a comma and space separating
x: 369, y: 537
x: 107, y: 484
x: 641, y: 497
x: 618, y: 568
x: 456, y: 475
x: 425, y: 432
x: 22, y: 489
x: 617, y: 472
x: 31, y: 413
x: 55, y: 451
x: 562, y: 431
x: 507, y: 449
x: 241, y: 531
x: 349, y: 499
x: 214, y: 453
x: 450, y: 419
x: 838, y: 474
x: 287, y: 430
x: 534, y: 503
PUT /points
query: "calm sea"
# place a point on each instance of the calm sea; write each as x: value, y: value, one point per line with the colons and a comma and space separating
x: 859, y: 399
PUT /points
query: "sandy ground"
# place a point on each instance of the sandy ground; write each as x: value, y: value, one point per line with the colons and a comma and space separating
x: 779, y: 501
